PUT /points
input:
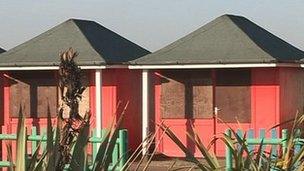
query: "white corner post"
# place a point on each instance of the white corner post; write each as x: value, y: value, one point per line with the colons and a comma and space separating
x: 98, y: 102
x: 145, y: 109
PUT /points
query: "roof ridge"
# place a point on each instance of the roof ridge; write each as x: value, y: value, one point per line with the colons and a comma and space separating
x: 228, y: 38
x: 86, y: 39
x: 243, y: 32
x: 209, y: 25
x: 103, y: 28
x: 260, y: 28
x: 96, y: 44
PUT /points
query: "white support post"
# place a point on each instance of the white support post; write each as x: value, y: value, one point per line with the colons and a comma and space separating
x: 98, y: 97
x: 145, y: 109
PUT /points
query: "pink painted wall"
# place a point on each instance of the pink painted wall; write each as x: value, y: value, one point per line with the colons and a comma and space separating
x: 120, y: 86
x: 265, y: 113
x: 117, y: 85
x: 291, y: 93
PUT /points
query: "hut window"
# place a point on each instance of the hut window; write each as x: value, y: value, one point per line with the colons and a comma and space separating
x: 33, y: 92
x: 233, y: 95
x: 186, y: 94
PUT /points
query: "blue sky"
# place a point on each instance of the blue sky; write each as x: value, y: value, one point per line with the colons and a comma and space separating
x: 151, y: 24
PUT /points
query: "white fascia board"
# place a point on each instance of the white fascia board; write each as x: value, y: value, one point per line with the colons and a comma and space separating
x: 197, y: 66
x: 44, y: 68
x: 92, y: 67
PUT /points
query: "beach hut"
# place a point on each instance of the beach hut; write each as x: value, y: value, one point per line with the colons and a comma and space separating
x: 29, y: 73
x: 228, y: 71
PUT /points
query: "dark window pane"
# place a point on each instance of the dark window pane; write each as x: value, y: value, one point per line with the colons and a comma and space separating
x: 233, y: 95
x: 186, y: 94
x: 34, y: 92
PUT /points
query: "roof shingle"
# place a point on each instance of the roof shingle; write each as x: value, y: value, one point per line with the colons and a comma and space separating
x: 95, y: 44
x: 227, y: 39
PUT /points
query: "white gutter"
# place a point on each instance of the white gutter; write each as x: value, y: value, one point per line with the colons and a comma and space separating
x: 194, y: 66
x: 92, y: 67
x: 181, y: 66
x: 45, y: 68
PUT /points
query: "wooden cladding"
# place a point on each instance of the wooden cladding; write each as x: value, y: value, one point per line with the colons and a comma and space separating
x: 233, y: 95
x: 34, y: 93
x: 186, y: 94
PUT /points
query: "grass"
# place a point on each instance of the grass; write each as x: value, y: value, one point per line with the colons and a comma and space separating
x: 48, y: 159
x: 245, y: 159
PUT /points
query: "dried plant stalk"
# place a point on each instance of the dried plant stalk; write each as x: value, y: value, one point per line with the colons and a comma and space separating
x: 71, y: 90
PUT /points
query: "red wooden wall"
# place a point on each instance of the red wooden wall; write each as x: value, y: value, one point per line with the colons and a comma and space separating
x: 265, y: 113
x: 291, y: 93
x: 276, y: 94
x: 120, y: 85
x: 9, y: 125
x: 117, y: 85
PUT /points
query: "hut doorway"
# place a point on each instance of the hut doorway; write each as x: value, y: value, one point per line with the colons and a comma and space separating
x: 186, y: 101
x: 205, y: 99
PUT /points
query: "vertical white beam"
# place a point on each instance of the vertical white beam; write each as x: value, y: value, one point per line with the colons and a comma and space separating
x: 98, y: 103
x: 145, y: 109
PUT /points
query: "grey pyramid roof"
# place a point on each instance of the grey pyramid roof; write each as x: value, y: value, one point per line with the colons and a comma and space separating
x: 227, y: 39
x: 95, y: 44
x: 2, y: 50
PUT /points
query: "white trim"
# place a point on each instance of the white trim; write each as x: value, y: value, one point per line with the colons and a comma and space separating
x: 193, y: 66
x: 16, y: 68
x: 188, y: 66
x: 98, y: 96
x: 92, y: 67
x: 29, y: 68
x: 145, y: 109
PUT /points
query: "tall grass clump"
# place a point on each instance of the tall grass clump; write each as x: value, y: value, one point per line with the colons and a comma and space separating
x: 244, y: 158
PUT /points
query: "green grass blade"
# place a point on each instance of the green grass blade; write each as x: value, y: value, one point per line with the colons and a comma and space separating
x: 78, y: 161
x: 57, y: 140
x: 113, y: 139
x: 229, y: 142
x: 21, y: 143
x: 189, y: 155
x: 40, y: 164
x: 10, y: 156
x: 298, y: 157
x: 101, y: 152
x: 259, y: 153
x: 49, y: 145
x: 211, y: 159
x: 34, y: 158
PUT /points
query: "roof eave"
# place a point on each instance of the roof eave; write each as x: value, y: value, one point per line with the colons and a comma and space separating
x: 37, y: 68
x: 201, y: 66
